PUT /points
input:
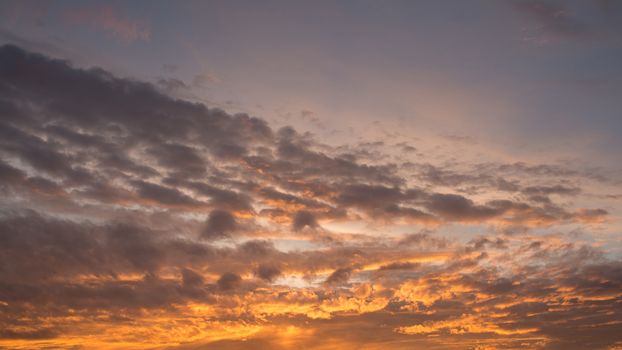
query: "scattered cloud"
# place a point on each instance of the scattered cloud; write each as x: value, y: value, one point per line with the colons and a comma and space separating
x: 159, y: 222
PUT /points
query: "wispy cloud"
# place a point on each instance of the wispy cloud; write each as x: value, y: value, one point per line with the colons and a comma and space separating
x: 111, y: 21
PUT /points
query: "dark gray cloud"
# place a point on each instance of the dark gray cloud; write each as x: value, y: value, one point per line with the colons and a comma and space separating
x: 220, y: 224
x: 304, y: 219
x: 268, y: 272
x: 191, y: 278
x: 399, y: 266
x: 221, y: 198
x: 164, y: 195
x: 339, y: 276
x: 179, y: 159
x: 456, y: 207
x: 229, y: 281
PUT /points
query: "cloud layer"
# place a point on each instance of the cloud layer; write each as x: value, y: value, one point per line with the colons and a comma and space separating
x: 132, y: 219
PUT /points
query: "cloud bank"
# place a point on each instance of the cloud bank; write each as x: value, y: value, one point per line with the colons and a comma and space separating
x: 131, y: 219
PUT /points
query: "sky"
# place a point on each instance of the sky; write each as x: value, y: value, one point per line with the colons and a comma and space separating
x: 311, y: 174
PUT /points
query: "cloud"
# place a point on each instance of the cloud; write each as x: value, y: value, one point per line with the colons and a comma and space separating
x: 219, y: 224
x: 268, y: 272
x: 553, y: 18
x: 157, y: 222
x: 304, y: 219
x: 456, y: 207
x: 109, y: 20
x: 229, y: 281
x: 163, y: 195
x: 339, y: 276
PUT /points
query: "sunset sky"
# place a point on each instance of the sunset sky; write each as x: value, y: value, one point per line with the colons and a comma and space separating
x: 438, y: 174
